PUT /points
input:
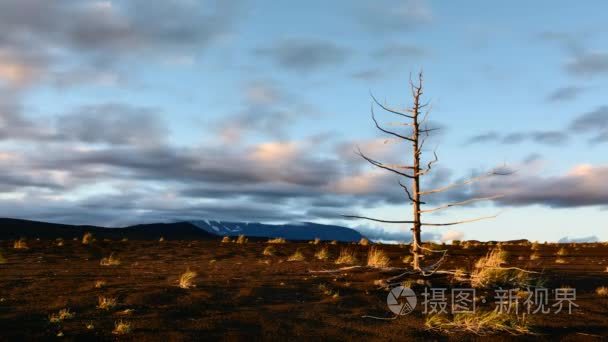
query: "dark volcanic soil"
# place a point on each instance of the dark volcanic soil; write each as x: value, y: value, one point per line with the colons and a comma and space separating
x: 241, y: 294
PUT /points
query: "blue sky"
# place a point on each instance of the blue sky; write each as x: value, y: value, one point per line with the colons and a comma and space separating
x: 122, y: 112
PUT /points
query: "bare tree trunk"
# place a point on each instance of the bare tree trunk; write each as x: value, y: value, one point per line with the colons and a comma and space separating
x: 416, y: 235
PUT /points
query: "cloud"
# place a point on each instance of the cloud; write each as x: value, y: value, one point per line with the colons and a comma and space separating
x: 305, y: 55
x: 583, y: 185
x: 588, y: 64
x: 551, y: 138
x: 594, y: 122
x: 404, y: 235
x: 452, y: 235
x: 400, y: 52
x: 394, y: 16
x: 567, y: 93
x: 39, y: 44
x: 567, y: 239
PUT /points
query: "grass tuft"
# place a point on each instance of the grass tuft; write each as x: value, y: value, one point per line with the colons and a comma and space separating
x: 20, y: 244
x: 297, y: 256
x: 377, y: 258
x: 110, y: 261
x: 316, y: 241
x: 186, y: 280
x: 87, y: 238
x: 322, y: 254
x: 602, y: 291
x: 561, y: 261
x: 121, y: 328
x: 226, y: 239
x: 106, y: 303
x: 61, y: 316
x: 364, y: 242
x: 277, y: 240
x: 269, y: 251
x: 241, y: 239
x: 479, y: 323
x: 347, y: 256
x: 562, y: 252
x: 489, y: 272
x: 100, y: 283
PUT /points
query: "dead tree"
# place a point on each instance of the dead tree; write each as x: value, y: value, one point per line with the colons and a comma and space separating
x: 417, y: 136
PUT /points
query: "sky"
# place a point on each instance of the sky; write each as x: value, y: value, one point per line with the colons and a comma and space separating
x: 121, y: 112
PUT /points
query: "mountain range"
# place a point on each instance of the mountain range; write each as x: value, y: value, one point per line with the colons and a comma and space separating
x: 202, y: 229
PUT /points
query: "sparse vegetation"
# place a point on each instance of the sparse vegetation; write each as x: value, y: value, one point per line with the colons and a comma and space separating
x: 364, y: 242
x: 269, y: 251
x: 297, y: 256
x: 2, y: 259
x: 489, y: 272
x: 277, y: 240
x: 347, y: 256
x: 316, y: 241
x: 322, y: 254
x: 121, y: 328
x: 326, y: 290
x: 241, y: 239
x: 186, y: 280
x: 100, y: 283
x: 407, y: 259
x: 106, y: 303
x: 602, y: 291
x: 87, y: 238
x: 110, y: 261
x: 20, y: 244
x: 560, y: 261
x: 479, y: 323
x: 377, y: 258
x: 61, y: 316
x: 534, y: 256
x: 562, y: 252
x: 226, y: 239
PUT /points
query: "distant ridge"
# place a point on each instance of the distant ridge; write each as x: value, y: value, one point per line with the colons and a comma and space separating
x: 197, y: 230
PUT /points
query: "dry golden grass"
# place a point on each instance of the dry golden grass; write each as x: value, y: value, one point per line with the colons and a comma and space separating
x: 326, y: 290
x: 269, y: 251
x: 106, y: 303
x: 347, y: 256
x: 100, y: 283
x: 535, y: 246
x: 489, y: 272
x: 316, y: 241
x: 20, y: 244
x: 479, y: 323
x: 162, y: 239
x: 186, y: 280
x: 125, y: 239
x: 377, y: 258
x: 277, y: 240
x: 322, y: 254
x: 121, y: 328
x: 534, y: 256
x: 226, y: 239
x: 333, y: 242
x: 61, y: 316
x: 60, y: 243
x: 562, y: 252
x: 602, y: 291
x: 241, y: 239
x: 87, y: 238
x: 110, y: 261
x: 561, y: 261
x: 407, y: 259
x: 364, y: 242
x: 297, y: 256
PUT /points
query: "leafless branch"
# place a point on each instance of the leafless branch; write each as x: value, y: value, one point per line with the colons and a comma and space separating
x: 382, y: 166
x: 390, y: 110
x: 387, y: 131
x: 422, y: 223
x: 477, y: 199
x: 468, y: 181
